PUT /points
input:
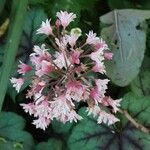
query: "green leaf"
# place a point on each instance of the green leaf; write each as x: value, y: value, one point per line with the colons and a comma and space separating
x: 140, y: 86
x: 126, y: 38
x: 137, y: 107
x: 51, y: 144
x: 1, y: 56
x: 88, y: 135
x: 12, y: 136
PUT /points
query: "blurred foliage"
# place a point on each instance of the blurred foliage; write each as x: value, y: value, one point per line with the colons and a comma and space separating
x: 86, y: 134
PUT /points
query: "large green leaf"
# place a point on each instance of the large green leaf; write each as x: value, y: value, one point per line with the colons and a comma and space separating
x: 126, y: 36
x: 12, y: 136
x: 88, y: 135
x: 51, y: 144
x: 141, y: 85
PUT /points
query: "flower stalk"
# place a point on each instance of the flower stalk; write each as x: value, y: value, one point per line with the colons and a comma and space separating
x: 134, y: 122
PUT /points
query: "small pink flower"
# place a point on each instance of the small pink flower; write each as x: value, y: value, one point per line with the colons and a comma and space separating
x: 106, y: 118
x: 101, y: 44
x: 65, y: 18
x: 36, y: 87
x: 101, y: 85
x: 95, y: 110
x: 42, y: 60
x: 98, y: 93
x: 60, y: 108
x: 43, y: 109
x: 73, y: 116
x: 62, y: 43
x: 108, y: 55
x: 94, y: 94
x: 28, y: 108
x: 61, y: 60
x: 40, y: 54
x: 72, y: 38
x: 108, y: 101
x: 99, y: 67
x: 98, y: 58
x: 41, y: 123
x: 17, y: 83
x: 23, y: 68
x: 57, y: 23
x: 46, y: 68
x: 103, y: 117
x: 75, y: 90
x: 91, y: 38
x: 45, y: 28
x: 74, y: 57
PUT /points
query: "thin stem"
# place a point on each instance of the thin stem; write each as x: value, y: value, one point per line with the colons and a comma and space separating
x: 12, y: 44
x: 134, y: 122
x: 54, y: 45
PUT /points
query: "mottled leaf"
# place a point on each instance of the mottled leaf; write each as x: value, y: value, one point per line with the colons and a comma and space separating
x: 88, y: 135
x: 141, y: 84
x: 126, y: 38
x: 12, y: 136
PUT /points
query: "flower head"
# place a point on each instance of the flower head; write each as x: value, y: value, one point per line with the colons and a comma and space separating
x: 61, y: 76
x: 17, y: 83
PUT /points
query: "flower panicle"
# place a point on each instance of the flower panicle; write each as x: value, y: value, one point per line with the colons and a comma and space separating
x: 59, y: 79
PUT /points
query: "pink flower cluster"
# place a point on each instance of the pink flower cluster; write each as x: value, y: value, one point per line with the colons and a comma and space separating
x: 60, y: 78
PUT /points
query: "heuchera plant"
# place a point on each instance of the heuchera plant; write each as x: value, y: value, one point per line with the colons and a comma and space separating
x: 60, y: 82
